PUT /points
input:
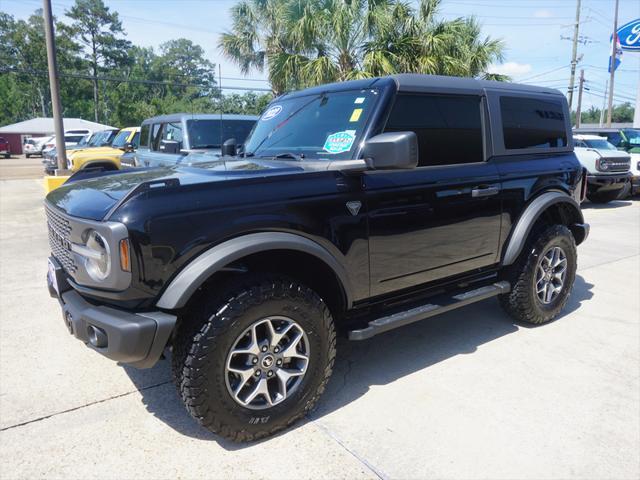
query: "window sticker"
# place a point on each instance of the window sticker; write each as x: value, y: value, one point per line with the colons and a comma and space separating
x: 355, y: 116
x: 359, y: 100
x: 273, y: 112
x: 339, y: 142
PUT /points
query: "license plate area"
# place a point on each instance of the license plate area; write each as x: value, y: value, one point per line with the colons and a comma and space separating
x: 56, y: 278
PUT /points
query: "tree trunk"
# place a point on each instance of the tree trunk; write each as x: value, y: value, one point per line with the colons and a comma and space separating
x: 94, y: 65
x: 42, y: 102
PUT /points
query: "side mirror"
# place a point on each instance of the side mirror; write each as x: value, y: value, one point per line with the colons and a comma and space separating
x: 129, y: 147
x: 229, y: 148
x: 170, y: 146
x: 391, y: 150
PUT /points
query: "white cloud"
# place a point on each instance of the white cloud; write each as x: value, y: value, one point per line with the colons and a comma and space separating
x: 543, y: 14
x: 511, y: 69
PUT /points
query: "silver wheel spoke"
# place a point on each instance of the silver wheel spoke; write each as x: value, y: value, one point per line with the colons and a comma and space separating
x: 261, y: 389
x: 244, y: 374
x: 291, y: 350
x: 276, y: 337
x: 252, y: 348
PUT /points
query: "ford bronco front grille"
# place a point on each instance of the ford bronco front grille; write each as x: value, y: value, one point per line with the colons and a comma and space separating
x: 617, y: 164
x: 60, y: 239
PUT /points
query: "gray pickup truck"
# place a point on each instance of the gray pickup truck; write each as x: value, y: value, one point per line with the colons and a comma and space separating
x: 188, y: 138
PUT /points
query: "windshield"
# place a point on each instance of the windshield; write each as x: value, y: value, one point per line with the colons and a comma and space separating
x: 633, y: 136
x: 121, y: 139
x: 600, y: 144
x: 207, y: 134
x: 323, y: 126
x: 73, y: 138
x: 100, y: 139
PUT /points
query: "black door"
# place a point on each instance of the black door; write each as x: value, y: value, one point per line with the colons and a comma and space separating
x: 442, y: 218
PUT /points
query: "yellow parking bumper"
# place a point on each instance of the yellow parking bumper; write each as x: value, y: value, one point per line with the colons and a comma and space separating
x: 51, y: 182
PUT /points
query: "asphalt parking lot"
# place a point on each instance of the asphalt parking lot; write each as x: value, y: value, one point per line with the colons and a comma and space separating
x: 464, y: 395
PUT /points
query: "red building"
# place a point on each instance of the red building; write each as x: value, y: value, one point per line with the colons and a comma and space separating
x: 18, y: 133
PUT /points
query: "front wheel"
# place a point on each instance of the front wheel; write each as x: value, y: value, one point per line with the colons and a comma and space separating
x: 542, y: 277
x: 255, y: 358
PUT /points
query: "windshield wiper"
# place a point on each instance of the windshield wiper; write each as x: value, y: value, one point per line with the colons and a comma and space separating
x: 277, y: 127
x: 208, y: 145
x: 296, y: 156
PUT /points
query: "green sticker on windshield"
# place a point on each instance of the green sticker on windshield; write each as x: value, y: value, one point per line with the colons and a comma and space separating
x: 339, y: 142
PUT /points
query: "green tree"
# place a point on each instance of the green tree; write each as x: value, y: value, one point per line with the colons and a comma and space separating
x: 622, y: 113
x: 307, y: 43
x: 23, y: 53
x: 99, y: 31
x: 249, y: 103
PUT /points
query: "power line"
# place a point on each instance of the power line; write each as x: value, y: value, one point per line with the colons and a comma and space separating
x: 128, y: 80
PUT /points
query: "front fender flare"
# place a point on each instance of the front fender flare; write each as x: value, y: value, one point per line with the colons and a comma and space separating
x: 528, y: 218
x: 182, y: 287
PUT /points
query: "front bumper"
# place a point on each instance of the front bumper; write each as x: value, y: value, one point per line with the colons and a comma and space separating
x: 602, y: 183
x: 137, y: 339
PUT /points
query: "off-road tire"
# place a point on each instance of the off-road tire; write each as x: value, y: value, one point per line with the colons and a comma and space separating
x: 27, y: 155
x: 522, y: 302
x: 605, y: 197
x: 206, y: 334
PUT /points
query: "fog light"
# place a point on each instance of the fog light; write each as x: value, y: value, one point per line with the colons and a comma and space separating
x: 97, y: 336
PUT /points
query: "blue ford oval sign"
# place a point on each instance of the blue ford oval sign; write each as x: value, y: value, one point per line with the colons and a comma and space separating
x: 629, y: 35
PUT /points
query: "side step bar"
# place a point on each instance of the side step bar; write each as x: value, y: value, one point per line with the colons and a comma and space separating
x: 443, y: 304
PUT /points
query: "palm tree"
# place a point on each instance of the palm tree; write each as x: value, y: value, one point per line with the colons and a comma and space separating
x: 310, y: 42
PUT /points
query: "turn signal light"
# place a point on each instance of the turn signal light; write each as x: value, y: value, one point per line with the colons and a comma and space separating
x: 125, y: 258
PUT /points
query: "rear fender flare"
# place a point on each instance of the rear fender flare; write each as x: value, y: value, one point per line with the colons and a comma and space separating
x: 532, y: 212
x: 190, y: 278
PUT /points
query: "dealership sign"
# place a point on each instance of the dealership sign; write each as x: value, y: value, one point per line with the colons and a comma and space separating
x: 629, y: 35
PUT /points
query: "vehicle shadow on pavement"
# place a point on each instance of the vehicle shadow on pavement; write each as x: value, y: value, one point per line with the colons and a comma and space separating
x: 359, y: 365
x: 605, y: 206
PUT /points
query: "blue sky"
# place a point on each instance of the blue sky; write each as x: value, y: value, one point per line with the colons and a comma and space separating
x: 531, y: 29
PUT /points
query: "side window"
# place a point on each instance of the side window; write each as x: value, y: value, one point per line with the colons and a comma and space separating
x: 532, y: 123
x: 449, y: 129
x: 155, y: 136
x: 580, y: 143
x: 173, y: 132
x: 144, y: 136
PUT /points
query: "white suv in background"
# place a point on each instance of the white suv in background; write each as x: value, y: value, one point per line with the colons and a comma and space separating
x: 35, y: 145
x: 607, y: 167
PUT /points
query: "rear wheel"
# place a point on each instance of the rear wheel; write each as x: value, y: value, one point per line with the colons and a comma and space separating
x: 604, y: 197
x: 253, y: 359
x: 542, y: 277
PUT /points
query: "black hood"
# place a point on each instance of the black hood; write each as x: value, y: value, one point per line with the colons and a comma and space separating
x: 93, y: 198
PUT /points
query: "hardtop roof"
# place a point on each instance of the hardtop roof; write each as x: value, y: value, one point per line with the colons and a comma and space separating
x: 414, y: 82
x: 176, y: 117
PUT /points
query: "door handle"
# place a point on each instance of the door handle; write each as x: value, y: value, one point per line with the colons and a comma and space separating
x: 484, y: 191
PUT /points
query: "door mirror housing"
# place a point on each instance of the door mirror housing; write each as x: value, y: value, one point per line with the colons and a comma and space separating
x: 128, y: 147
x: 229, y: 148
x: 392, y: 150
x: 169, y: 146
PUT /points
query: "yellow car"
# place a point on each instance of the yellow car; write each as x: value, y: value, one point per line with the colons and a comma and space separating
x: 108, y: 156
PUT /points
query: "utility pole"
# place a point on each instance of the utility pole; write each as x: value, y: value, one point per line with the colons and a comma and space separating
x: 612, y: 64
x: 574, y: 54
x: 604, y: 102
x: 579, y: 108
x: 54, y: 85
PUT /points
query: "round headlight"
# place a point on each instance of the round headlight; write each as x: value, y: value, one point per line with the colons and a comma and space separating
x: 99, y: 264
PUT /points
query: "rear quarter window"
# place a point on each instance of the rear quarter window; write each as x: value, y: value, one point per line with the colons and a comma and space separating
x: 532, y: 123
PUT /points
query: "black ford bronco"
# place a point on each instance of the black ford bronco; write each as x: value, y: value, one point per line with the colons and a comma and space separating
x: 352, y: 208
